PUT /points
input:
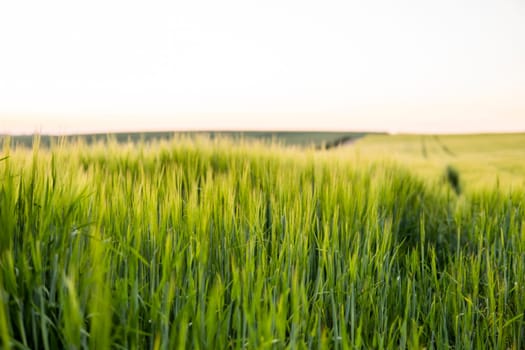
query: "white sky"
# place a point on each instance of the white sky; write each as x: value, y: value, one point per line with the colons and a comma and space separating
x: 430, y: 66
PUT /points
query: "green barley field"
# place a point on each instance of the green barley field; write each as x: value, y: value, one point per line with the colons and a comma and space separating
x: 192, y: 242
x: 484, y: 161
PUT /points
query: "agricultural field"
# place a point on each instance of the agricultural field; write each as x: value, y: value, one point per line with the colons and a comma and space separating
x: 193, y: 242
x: 483, y: 161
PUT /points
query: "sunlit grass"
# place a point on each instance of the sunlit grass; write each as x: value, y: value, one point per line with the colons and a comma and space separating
x: 484, y: 161
x: 215, y: 244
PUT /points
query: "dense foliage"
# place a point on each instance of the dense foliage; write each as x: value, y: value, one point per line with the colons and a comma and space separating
x: 214, y: 244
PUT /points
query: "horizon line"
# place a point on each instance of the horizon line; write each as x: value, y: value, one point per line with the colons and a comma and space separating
x: 240, y: 131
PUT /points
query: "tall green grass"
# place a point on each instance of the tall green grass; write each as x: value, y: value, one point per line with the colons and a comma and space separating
x: 214, y: 244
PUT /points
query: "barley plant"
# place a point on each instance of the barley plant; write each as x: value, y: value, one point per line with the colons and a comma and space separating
x: 215, y: 244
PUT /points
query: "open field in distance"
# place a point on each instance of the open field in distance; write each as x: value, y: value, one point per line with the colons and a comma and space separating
x: 484, y: 160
